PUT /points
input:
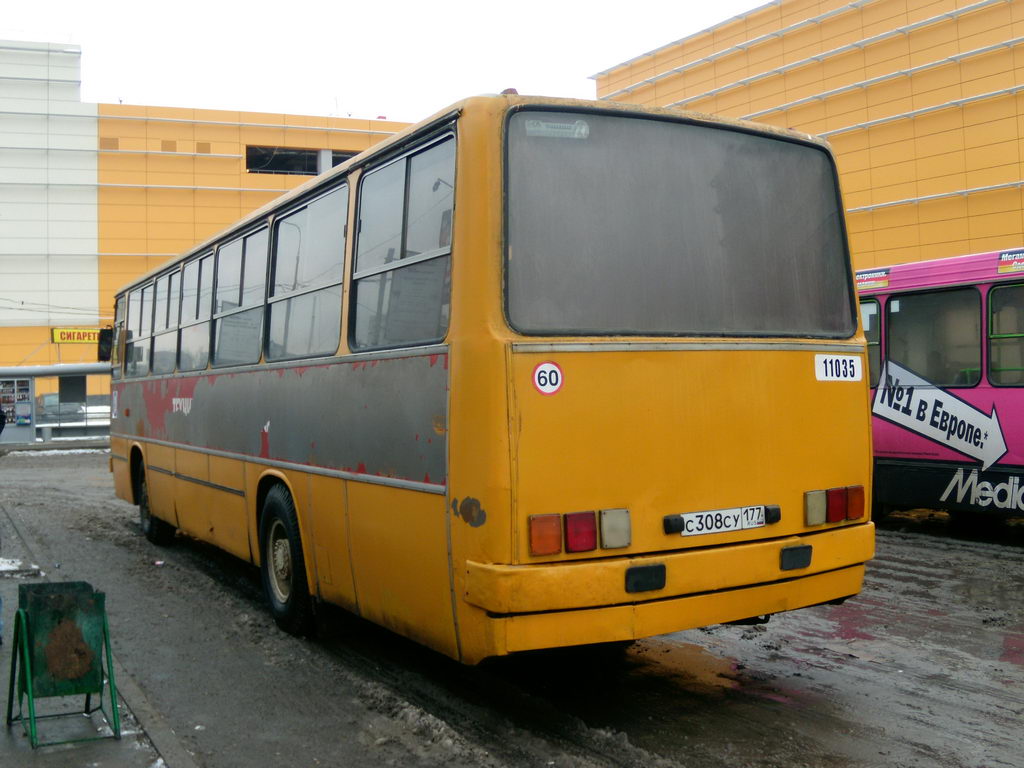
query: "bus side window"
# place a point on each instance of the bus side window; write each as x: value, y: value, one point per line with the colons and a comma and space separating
x: 140, y: 324
x: 307, y: 270
x: 402, y: 270
x: 963, y: 343
x: 115, y: 349
x: 870, y: 316
x: 1006, y: 335
x: 937, y: 335
x: 238, y: 307
x: 165, y: 331
x: 196, y: 297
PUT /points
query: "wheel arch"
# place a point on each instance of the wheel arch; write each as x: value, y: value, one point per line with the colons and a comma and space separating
x: 137, y: 466
x: 266, y: 481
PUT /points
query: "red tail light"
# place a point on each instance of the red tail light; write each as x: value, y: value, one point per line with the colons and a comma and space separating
x: 835, y: 505
x: 580, y: 532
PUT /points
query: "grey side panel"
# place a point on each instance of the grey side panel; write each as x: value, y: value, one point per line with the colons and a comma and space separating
x: 378, y: 416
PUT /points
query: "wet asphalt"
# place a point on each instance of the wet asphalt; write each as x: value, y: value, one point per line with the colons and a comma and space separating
x: 924, y: 668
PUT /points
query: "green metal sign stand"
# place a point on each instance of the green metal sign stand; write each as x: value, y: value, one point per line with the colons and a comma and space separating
x: 61, y: 648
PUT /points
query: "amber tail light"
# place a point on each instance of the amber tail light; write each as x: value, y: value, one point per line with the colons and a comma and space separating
x: 545, y: 534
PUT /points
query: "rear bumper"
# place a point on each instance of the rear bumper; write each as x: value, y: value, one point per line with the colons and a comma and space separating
x: 515, y: 589
x: 546, y: 606
x: 630, y: 622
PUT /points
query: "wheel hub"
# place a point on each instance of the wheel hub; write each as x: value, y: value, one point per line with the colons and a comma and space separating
x: 280, y: 563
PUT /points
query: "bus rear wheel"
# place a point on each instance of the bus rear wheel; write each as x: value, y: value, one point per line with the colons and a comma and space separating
x: 154, y: 529
x: 282, y: 565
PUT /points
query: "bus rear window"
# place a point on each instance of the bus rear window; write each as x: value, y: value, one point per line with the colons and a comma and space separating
x: 621, y: 225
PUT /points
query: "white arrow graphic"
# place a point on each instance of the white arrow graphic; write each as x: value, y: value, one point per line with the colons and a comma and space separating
x: 904, y: 398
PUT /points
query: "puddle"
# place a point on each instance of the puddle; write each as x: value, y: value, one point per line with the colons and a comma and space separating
x: 691, y: 666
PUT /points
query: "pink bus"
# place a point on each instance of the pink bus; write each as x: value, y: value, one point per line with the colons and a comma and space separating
x: 946, y: 351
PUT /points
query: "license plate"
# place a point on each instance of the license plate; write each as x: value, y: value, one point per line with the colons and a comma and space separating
x: 722, y: 520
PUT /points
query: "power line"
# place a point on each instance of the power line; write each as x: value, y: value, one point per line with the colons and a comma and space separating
x: 30, y: 306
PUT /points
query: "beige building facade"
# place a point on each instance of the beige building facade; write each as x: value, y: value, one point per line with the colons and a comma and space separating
x: 921, y: 100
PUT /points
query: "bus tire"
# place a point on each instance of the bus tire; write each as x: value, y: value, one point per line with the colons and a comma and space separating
x: 282, y: 565
x: 155, y: 530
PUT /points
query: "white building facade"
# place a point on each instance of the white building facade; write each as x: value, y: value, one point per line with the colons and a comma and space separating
x: 48, y: 190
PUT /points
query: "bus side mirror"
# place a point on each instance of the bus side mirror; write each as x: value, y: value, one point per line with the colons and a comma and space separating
x: 105, y: 343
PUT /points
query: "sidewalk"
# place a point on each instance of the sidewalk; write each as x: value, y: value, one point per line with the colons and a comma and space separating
x: 23, y: 561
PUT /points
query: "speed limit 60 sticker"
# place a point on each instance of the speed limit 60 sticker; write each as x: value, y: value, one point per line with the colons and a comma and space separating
x: 548, y: 378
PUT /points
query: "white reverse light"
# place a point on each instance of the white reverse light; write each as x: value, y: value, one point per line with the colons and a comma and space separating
x: 616, y: 531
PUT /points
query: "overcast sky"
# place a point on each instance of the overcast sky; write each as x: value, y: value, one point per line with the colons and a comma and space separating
x: 401, y: 60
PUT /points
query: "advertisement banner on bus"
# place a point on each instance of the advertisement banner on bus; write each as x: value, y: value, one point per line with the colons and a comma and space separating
x: 915, y: 404
x: 872, y: 278
x: 1011, y: 261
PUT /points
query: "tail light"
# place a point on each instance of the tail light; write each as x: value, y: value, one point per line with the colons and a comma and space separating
x: 834, y: 505
x: 616, y: 531
x: 855, y: 502
x: 545, y: 534
x: 814, y: 507
x: 580, y: 532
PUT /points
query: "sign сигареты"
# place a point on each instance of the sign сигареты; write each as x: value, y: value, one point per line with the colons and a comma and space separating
x: 75, y: 335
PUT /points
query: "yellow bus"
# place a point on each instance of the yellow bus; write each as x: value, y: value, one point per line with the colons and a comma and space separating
x: 532, y: 373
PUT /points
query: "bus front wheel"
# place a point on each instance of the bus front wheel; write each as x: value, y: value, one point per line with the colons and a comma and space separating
x: 282, y: 565
x: 154, y: 529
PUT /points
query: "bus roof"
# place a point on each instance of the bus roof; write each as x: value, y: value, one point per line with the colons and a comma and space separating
x: 448, y: 114
x: 1006, y: 264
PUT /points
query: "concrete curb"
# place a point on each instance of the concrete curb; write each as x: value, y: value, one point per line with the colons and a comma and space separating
x: 158, y: 730
x: 61, y: 445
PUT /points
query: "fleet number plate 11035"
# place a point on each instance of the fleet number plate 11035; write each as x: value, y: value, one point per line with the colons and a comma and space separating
x: 722, y: 520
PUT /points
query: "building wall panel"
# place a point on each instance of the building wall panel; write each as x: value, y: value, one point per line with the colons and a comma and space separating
x: 996, y: 201
x: 943, y: 231
x: 948, y: 150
